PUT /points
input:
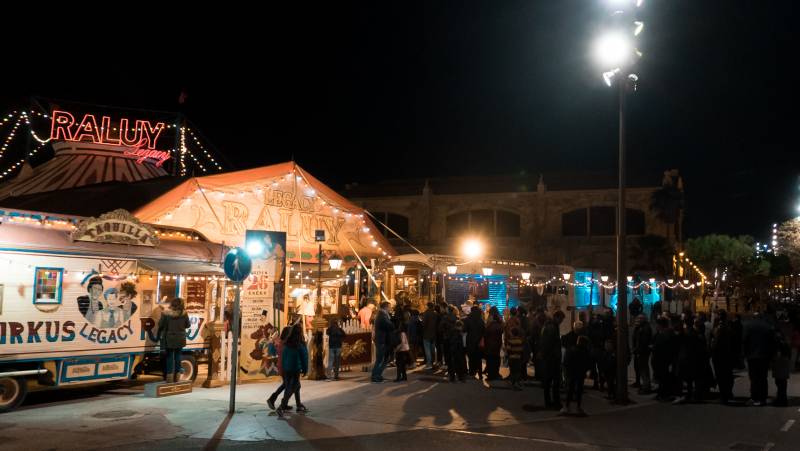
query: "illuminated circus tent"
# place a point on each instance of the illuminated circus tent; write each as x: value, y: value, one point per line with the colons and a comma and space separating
x: 68, y: 147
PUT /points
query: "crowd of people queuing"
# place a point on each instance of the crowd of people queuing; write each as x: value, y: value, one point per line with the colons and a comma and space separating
x: 683, y: 356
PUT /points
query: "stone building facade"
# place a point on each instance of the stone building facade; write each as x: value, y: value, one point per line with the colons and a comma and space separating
x: 562, y: 219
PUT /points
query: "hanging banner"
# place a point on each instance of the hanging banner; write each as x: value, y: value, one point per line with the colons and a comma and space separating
x: 262, y: 295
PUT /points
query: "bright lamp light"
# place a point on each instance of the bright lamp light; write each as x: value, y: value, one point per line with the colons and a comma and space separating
x: 652, y: 280
x: 566, y: 276
x: 669, y: 281
x: 452, y: 269
x: 255, y: 247
x: 526, y: 276
x: 613, y: 50
x: 604, y: 279
x: 630, y: 278
x: 488, y: 271
x: 472, y: 248
x: 399, y: 269
x: 335, y: 262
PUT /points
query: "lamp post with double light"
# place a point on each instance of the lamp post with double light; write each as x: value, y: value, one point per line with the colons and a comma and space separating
x: 616, y: 53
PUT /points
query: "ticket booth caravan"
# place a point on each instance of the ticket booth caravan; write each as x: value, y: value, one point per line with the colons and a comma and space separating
x: 80, y: 298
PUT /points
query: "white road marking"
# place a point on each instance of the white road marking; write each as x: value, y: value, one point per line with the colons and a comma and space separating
x: 787, y: 425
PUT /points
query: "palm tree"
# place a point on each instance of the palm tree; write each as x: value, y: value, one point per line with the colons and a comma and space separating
x: 652, y: 254
x: 667, y: 204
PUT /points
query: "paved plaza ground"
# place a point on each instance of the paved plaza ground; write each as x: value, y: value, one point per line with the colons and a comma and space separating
x: 424, y: 413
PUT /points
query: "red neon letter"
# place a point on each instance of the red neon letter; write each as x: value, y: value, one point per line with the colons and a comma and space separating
x: 150, y: 133
x: 123, y: 134
x: 88, y: 128
x: 106, y: 136
x: 59, y: 128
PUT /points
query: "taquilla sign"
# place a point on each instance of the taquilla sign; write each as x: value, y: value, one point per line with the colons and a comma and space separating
x: 118, y: 227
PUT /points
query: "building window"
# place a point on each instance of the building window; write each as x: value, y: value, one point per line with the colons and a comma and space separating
x: 398, y: 223
x: 47, y: 285
x: 602, y: 221
x: 573, y: 223
x: 507, y: 224
x: 634, y: 222
x: 457, y: 224
x: 484, y: 222
x: 481, y: 222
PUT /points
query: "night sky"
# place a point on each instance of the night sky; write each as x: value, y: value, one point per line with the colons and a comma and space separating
x: 416, y: 89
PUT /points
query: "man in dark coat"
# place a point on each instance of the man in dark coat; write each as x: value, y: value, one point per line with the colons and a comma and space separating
x: 550, y: 356
x: 383, y: 332
x: 737, y: 334
x: 662, y: 358
x: 475, y: 328
x: 430, y: 324
x: 758, y: 340
x: 446, y: 324
x: 642, y: 343
x: 493, y: 340
x: 722, y: 356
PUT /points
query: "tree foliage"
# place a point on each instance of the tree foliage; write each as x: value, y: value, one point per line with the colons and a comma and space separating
x: 723, y: 252
x: 789, y: 241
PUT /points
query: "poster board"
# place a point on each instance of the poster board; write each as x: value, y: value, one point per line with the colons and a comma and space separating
x: 261, y: 297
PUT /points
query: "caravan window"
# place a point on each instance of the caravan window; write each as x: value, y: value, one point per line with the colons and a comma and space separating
x: 47, y: 286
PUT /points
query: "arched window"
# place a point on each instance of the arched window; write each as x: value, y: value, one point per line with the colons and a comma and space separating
x: 457, y: 224
x: 602, y: 221
x: 574, y: 223
x: 634, y: 222
x: 508, y: 224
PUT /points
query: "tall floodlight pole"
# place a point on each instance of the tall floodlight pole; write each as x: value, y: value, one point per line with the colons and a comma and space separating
x: 617, y: 53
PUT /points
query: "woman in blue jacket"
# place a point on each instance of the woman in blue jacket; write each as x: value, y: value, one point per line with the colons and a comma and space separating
x: 294, y: 359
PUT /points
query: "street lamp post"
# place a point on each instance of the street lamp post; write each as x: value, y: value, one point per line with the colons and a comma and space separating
x: 317, y: 370
x: 617, y: 53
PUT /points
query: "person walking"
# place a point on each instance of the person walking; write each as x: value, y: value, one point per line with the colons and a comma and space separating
x: 689, y: 361
x: 758, y: 346
x: 722, y: 356
x: 402, y: 354
x: 577, y: 360
x: 172, y: 336
x: 642, y: 346
x: 550, y: 356
x: 294, y: 364
x: 475, y: 329
x: 384, y: 329
x: 514, y: 348
x: 430, y: 325
x: 335, y: 338
x: 280, y: 343
x: 493, y: 341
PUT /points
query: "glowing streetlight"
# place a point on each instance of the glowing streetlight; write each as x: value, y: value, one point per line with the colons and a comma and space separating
x: 452, y: 269
x: 399, y: 269
x: 604, y: 279
x: 488, y: 271
x: 566, y: 276
x: 472, y: 248
x: 526, y: 276
x: 613, y: 50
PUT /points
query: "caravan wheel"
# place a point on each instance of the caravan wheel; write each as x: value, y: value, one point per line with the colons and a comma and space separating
x: 12, y: 392
x: 189, y: 367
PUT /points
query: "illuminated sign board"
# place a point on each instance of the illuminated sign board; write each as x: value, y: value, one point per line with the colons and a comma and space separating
x: 138, y: 137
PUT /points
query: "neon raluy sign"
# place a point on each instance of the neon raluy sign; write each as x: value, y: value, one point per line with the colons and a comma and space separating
x: 138, y: 140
